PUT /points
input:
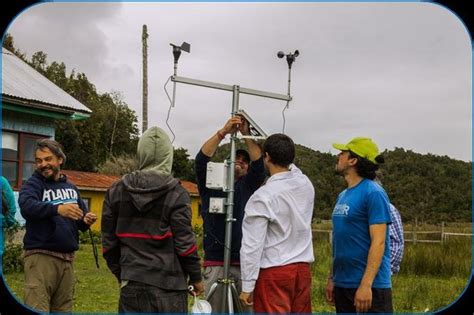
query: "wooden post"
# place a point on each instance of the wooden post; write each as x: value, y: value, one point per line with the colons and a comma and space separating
x: 145, y: 79
x: 414, y: 230
x: 442, y: 232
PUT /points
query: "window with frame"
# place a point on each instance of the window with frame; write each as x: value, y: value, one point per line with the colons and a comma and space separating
x: 18, y: 156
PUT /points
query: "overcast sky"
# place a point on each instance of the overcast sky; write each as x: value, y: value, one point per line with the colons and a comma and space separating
x: 399, y: 73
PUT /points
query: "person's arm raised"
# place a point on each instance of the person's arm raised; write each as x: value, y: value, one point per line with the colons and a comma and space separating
x: 210, y: 146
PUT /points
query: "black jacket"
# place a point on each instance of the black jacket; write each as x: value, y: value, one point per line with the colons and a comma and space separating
x: 146, y: 231
x: 214, y: 224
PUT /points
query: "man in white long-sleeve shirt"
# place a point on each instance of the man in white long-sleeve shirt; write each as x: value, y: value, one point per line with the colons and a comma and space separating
x: 277, y: 246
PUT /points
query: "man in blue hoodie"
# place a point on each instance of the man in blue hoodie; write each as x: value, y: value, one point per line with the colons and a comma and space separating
x: 54, y: 212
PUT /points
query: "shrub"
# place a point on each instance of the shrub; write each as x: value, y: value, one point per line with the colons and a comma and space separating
x: 13, y: 258
x: 84, y: 237
x: 199, y: 232
x: 119, y: 165
x: 13, y: 251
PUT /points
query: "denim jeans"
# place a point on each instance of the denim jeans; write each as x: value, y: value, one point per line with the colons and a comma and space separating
x: 137, y: 297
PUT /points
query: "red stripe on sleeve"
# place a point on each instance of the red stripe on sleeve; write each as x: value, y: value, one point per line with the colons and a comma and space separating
x: 145, y: 236
x: 189, y: 251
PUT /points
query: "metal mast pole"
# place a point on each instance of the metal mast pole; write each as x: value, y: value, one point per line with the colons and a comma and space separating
x: 230, y: 294
x: 230, y: 204
x: 145, y: 79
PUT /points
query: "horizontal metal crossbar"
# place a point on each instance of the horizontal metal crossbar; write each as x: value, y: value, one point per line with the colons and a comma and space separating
x: 227, y: 87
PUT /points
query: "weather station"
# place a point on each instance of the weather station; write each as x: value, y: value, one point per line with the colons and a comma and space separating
x: 220, y: 176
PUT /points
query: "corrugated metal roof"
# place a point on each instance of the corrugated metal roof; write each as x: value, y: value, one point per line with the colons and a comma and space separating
x: 101, y: 182
x: 190, y: 187
x: 20, y: 80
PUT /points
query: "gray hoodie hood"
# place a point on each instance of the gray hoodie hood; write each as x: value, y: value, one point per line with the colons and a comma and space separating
x: 153, y: 180
x: 155, y: 151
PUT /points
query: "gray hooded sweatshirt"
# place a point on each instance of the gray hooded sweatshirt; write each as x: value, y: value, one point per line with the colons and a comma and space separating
x: 146, y: 221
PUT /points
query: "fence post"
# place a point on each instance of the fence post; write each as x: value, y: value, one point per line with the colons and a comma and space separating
x: 442, y: 232
x: 414, y: 230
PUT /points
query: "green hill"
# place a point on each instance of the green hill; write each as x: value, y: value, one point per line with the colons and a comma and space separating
x: 427, y: 187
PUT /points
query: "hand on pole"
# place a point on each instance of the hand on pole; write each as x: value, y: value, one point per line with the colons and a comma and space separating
x: 232, y: 125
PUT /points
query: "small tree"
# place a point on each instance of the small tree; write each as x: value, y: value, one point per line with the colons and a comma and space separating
x: 119, y: 165
x: 183, y: 167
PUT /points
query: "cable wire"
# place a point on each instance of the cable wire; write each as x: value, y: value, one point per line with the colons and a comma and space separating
x: 94, y: 249
x: 283, y: 114
x: 169, y: 109
x: 289, y: 95
x: 216, y: 239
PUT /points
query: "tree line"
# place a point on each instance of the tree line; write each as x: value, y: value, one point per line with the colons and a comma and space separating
x: 425, y: 187
x: 111, y: 130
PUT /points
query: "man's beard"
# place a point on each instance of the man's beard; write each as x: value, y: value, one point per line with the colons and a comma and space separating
x: 49, y: 175
x: 340, y: 172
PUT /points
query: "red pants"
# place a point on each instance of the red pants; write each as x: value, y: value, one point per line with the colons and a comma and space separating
x: 285, y: 289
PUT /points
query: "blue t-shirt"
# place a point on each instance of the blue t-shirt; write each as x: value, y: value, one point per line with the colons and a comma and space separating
x: 356, y: 209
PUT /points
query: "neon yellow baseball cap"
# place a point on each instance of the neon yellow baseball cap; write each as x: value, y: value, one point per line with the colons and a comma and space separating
x: 363, y: 147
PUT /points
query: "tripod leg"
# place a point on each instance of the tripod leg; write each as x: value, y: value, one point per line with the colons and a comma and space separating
x: 212, y: 290
x: 238, y: 304
x: 230, y: 298
x: 224, y: 297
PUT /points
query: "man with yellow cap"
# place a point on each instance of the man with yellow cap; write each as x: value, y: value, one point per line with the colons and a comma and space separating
x: 359, y: 278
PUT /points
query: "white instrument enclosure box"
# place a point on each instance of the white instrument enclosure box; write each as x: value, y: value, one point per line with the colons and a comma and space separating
x: 217, y: 205
x: 216, y: 176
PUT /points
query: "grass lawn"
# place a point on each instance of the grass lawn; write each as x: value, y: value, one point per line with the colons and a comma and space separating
x: 97, y: 290
x: 432, y: 276
x: 410, y: 294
